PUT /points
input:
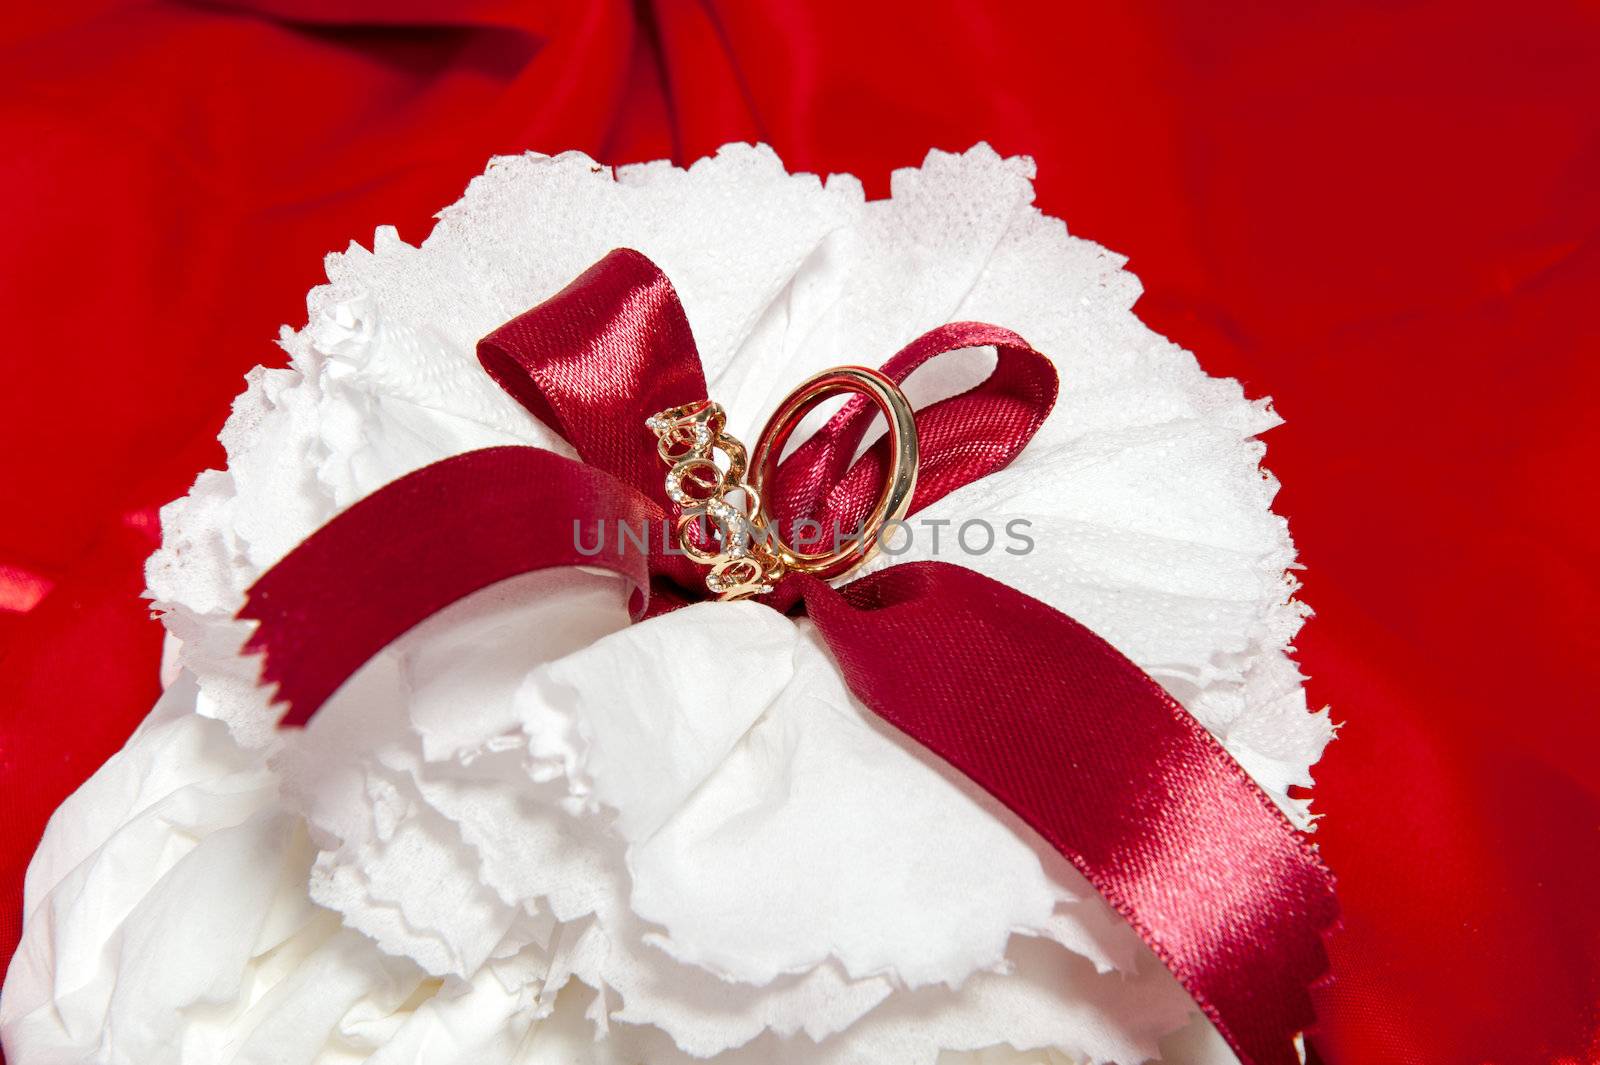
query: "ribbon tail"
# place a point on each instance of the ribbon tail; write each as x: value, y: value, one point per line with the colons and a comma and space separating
x: 1106, y: 766
x: 423, y: 542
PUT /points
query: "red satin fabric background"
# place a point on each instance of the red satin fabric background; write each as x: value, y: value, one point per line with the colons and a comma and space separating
x: 1383, y: 216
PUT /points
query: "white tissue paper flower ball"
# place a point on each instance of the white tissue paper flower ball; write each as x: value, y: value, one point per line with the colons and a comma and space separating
x: 530, y: 832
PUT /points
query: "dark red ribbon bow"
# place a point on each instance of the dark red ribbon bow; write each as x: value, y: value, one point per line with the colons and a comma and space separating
x: 1011, y: 692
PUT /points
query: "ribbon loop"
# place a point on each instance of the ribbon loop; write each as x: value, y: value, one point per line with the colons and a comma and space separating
x: 599, y: 357
x: 962, y: 439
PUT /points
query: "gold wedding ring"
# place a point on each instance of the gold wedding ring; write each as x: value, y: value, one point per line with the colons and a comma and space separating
x: 894, y: 500
x: 749, y: 556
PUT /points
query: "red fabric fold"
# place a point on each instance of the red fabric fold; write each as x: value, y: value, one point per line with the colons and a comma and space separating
x: 1381, y: 216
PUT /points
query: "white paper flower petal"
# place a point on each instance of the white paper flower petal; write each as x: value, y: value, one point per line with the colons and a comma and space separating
x: 714, y: 669
x: 822, y: 836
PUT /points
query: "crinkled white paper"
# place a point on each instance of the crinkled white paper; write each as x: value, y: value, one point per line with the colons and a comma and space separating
x: 530, y: 832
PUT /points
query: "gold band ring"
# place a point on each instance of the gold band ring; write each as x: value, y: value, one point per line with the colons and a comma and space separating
x: 894, y: 500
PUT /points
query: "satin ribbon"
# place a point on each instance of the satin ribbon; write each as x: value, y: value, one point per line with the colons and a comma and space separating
x: 1014, y: 694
